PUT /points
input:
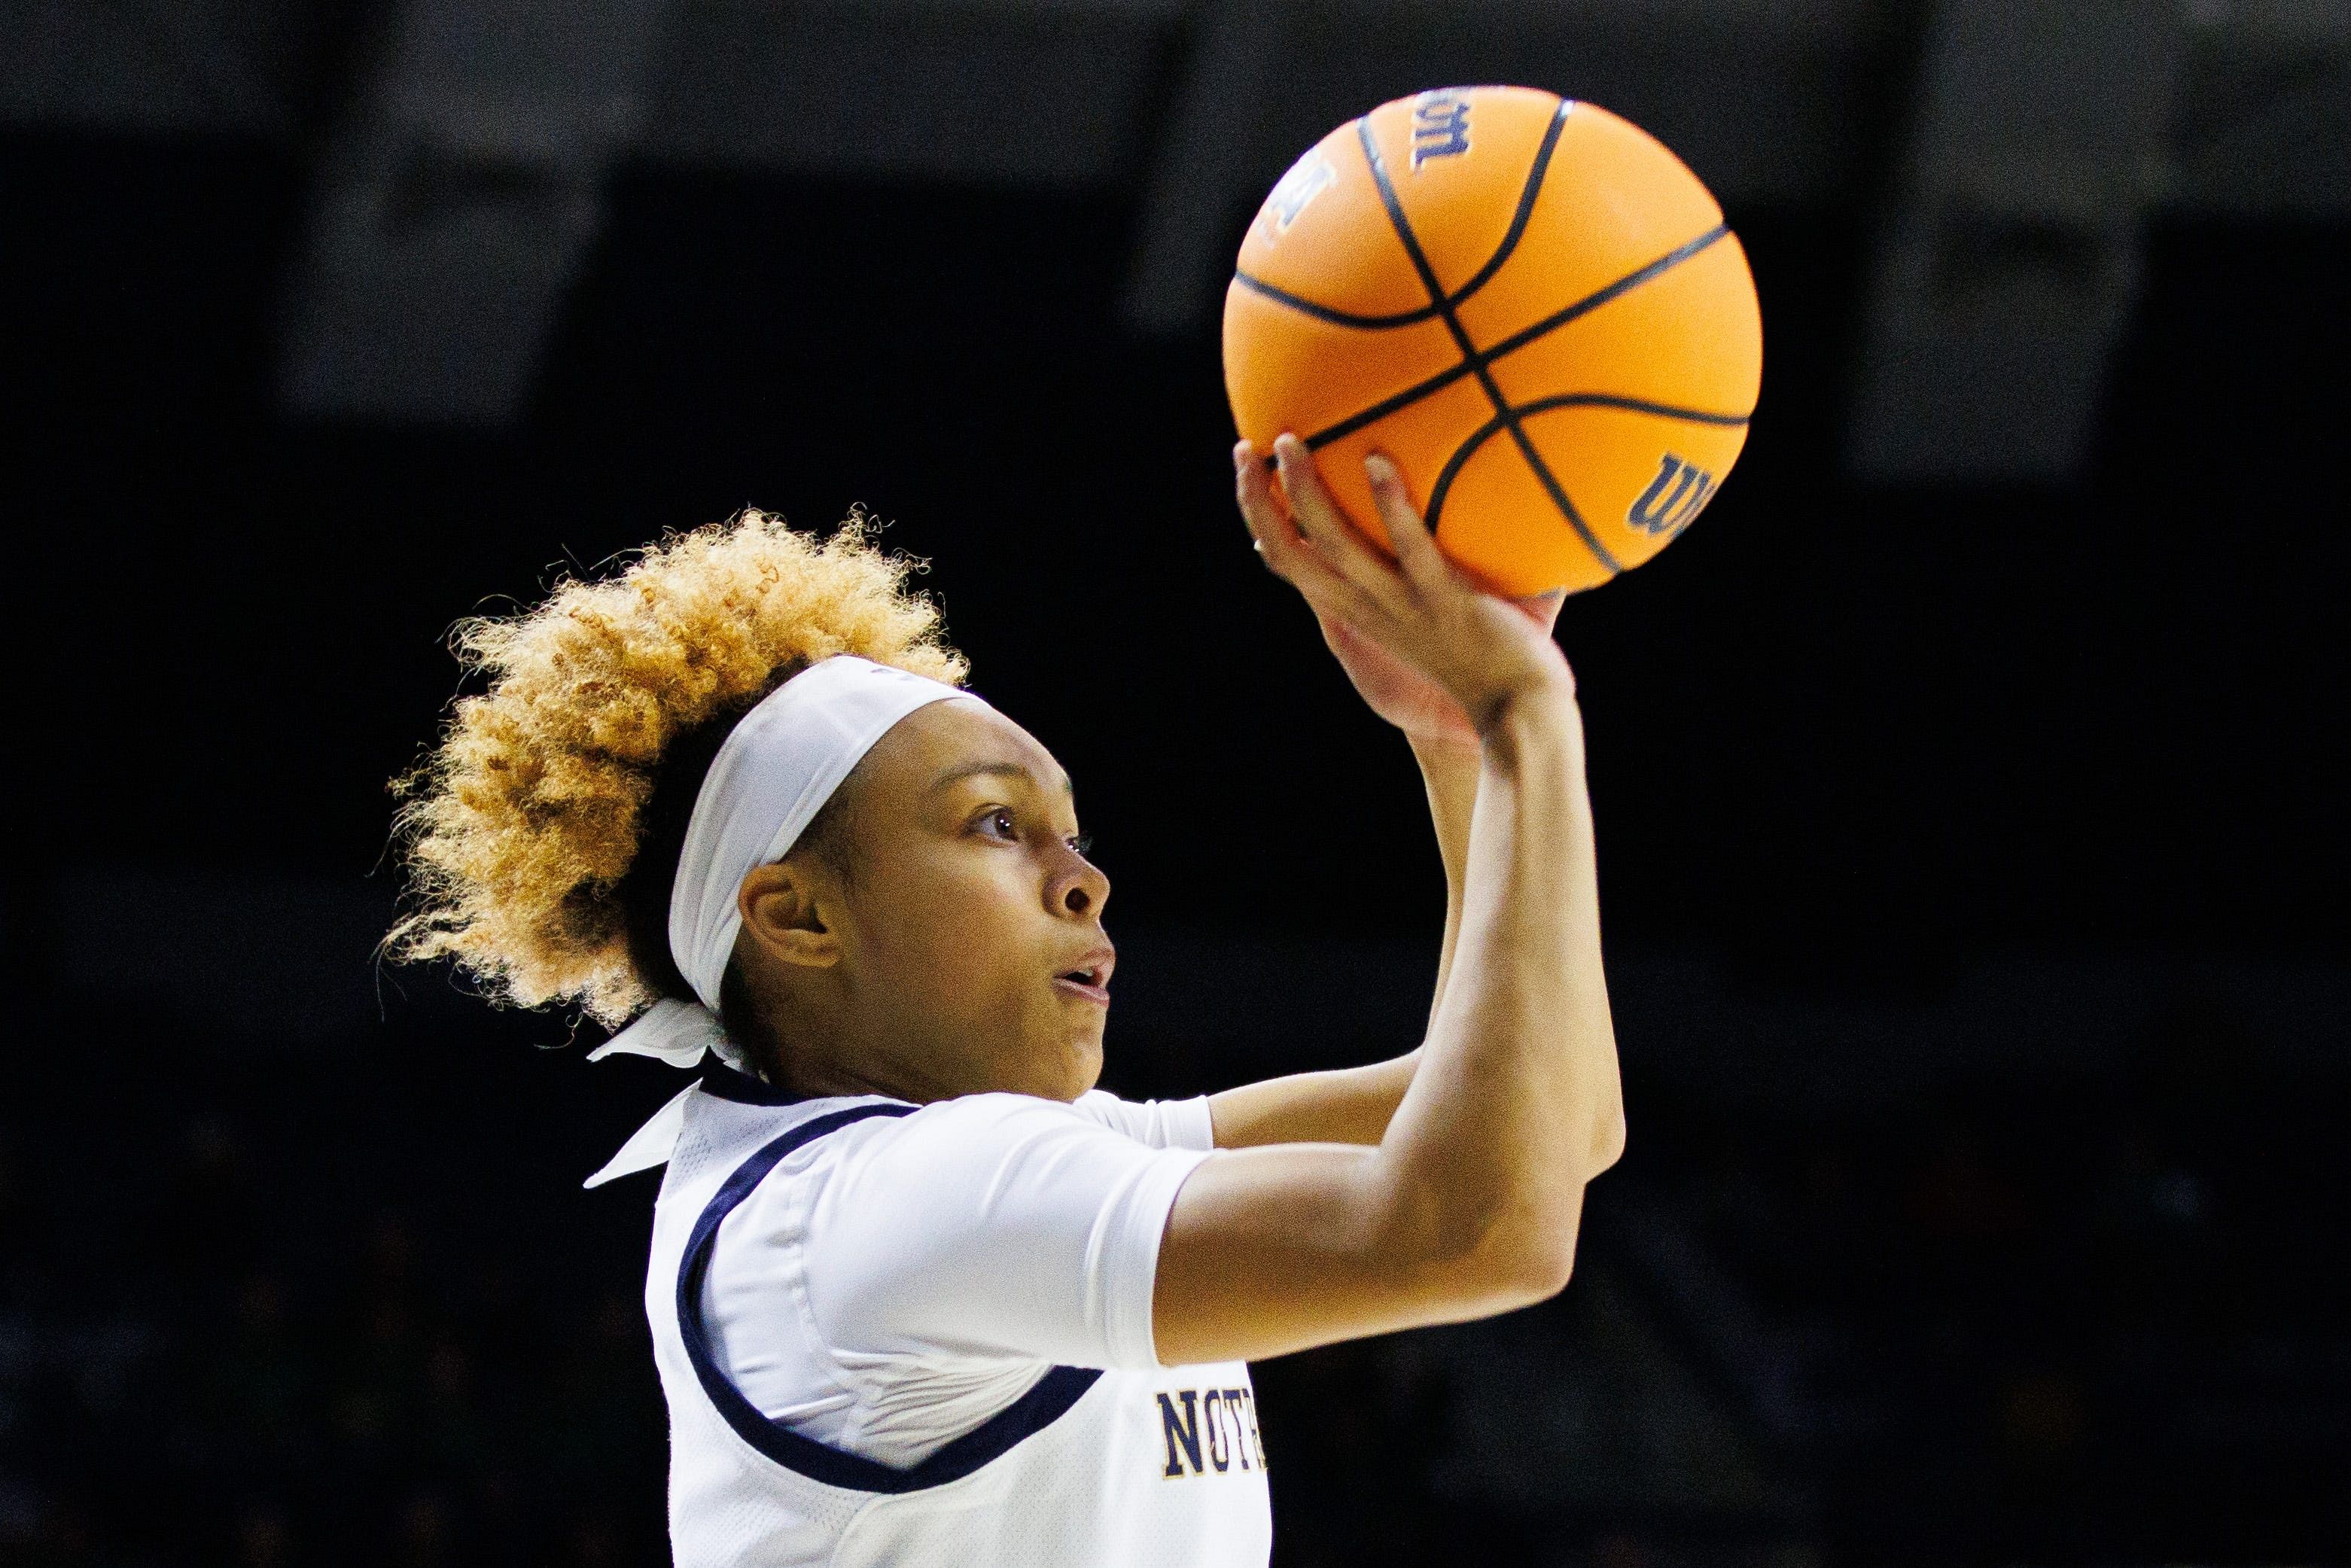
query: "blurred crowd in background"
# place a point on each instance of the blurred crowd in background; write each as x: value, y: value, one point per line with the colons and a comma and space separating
x: 263, y: 1309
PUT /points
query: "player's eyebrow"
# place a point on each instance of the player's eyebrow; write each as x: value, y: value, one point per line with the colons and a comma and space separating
x: 998, y: 769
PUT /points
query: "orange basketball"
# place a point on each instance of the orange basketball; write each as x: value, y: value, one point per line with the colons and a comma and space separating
x: 1529, y: 304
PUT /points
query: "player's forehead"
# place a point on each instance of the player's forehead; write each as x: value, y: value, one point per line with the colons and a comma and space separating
x: 935, y: 749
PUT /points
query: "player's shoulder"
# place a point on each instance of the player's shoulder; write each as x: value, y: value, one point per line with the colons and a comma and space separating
x: 988, y: 1115
x: 946, y: 1146
x: 981, y: 1128
x: 974, y: 1140
x: 1159, y: 1123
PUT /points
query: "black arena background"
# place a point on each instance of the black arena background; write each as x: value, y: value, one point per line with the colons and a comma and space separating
x: 1973, y: 859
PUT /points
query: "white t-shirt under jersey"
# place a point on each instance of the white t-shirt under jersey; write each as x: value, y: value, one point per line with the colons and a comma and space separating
x: 901, y: 1280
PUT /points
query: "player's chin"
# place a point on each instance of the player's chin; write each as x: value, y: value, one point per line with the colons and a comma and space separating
x: 1077, y: 1056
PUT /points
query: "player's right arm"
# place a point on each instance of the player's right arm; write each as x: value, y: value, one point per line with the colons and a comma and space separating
x: 1469, y: 1203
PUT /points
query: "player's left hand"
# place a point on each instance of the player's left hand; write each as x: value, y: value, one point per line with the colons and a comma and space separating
x: 1393, y: 689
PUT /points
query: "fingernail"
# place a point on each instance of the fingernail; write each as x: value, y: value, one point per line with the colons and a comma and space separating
x: 1381, y: 471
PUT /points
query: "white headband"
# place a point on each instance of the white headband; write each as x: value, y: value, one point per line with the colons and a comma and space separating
x: 774, y: 773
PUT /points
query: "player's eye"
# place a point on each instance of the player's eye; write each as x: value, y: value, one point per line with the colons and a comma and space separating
x: 1082, y: 842
x: 996, y: 823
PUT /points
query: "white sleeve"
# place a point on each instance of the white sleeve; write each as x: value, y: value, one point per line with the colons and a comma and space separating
x: 1162, y: 1124
x: 997, y: 1225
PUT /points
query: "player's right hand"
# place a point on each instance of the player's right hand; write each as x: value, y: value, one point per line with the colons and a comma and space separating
x: 1484, y: 653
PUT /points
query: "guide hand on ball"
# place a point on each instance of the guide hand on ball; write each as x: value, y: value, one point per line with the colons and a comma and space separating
x: 1429, y: 650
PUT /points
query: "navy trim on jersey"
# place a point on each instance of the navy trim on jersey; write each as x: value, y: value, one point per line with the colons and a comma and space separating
x: 1034, y: 1411
x: 725, y: 1082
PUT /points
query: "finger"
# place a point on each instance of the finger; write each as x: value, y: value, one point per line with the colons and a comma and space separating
x: 1317, y: 512
x: 1253, y: 491
x: 1320, y: 518
x: 1289, y: 556
x: 1415, y: 549
x: 1292, y: 556
x: 1277, y: 538
x: 1295, y: 562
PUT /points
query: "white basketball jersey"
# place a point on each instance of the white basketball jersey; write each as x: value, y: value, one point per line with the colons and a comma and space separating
x: 1090, y: 1469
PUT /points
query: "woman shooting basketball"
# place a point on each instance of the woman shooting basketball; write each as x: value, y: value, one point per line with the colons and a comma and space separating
x: 919, y: 1293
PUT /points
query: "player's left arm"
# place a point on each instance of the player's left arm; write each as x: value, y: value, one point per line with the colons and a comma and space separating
x: 1344, y: 1105
x: 1352, y: 1104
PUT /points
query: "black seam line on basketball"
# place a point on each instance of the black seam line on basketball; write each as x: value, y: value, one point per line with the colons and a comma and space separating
x: 1462, y: 340
x: 1477, y: 280
x: 1527, y: 194
x: 1324, y: 313
x: 1634, y: 405
x: 1590, y: 302
x: 1486, y: 432
x: 1517, y: 340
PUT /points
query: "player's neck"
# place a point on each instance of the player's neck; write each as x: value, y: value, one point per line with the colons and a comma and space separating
x: 819, y: 1064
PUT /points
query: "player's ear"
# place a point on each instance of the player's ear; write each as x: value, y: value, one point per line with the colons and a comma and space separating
x: 783, y: 913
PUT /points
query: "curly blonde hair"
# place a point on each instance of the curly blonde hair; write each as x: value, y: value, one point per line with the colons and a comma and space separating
x: 520, y: 827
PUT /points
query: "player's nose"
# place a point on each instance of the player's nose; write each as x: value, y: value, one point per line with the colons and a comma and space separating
x: 1076, y: 888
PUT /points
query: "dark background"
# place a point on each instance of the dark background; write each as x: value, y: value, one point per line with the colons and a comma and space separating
x: 1971, y: 852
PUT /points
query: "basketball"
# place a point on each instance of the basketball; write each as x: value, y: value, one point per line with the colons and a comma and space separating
x: 1529, y: 304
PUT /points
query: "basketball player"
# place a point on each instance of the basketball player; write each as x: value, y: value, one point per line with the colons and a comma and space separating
x: 919, y: 1293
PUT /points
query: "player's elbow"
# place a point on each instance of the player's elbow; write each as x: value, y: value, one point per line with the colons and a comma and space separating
x: 1535, y: 1268
x: 1539, y: 1254
x: 1494, y: 1259
x: 1607, y: 1143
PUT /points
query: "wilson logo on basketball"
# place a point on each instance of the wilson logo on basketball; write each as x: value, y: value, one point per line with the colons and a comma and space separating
x: 1674, y: 498
x: 1307, y: 179
x: 1440, y: 126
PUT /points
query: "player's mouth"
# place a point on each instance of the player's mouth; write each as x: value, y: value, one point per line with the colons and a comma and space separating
x: 1090, y: 979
